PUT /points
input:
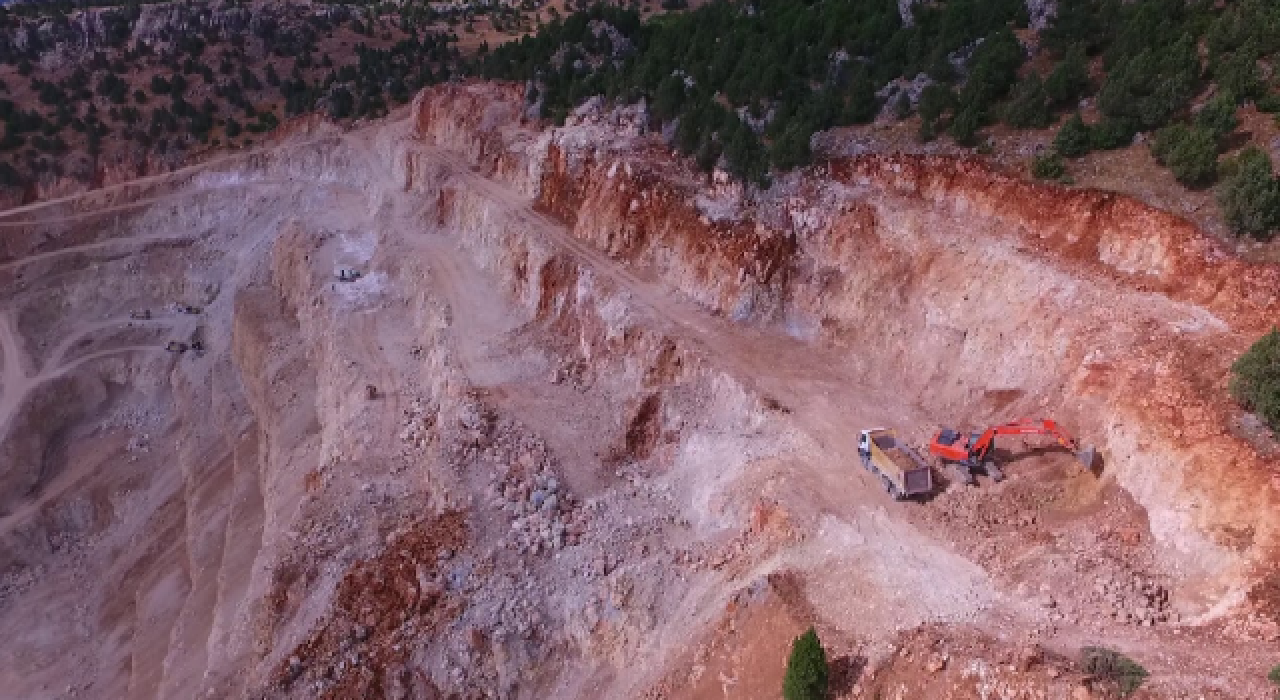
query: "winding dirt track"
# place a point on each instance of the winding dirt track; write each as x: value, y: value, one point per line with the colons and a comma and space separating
x: 127, y: 206
x: 18, y: 380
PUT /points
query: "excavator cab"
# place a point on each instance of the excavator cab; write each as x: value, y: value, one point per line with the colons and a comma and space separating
x: 948, y: 437
x: 951, y: 446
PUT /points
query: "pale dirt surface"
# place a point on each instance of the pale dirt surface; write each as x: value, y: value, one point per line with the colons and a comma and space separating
x: 569, y: 435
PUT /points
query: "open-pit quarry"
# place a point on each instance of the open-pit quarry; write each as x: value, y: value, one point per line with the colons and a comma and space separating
x: 585, y: 426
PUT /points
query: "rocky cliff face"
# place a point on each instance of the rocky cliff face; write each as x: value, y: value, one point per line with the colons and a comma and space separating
x: 946, y: 282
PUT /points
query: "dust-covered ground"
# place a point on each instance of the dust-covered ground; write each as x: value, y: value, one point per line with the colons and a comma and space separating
x: 585, y: 425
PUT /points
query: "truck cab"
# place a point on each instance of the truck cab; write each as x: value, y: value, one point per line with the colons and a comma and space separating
x: 864, y: 441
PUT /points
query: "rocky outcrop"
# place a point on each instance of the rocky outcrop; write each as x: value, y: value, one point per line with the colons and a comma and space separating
x: 159, y: 25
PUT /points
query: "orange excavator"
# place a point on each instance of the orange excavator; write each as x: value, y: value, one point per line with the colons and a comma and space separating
x: 974, y: 451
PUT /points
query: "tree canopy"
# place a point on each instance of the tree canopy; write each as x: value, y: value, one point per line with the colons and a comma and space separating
x: 806, y: 675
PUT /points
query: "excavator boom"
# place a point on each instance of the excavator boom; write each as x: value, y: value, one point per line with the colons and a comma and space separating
x: 1027, y: 427
x: 974, y: 449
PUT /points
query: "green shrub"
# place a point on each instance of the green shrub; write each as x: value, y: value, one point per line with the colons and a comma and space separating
x: 1238, y: 73
x: 791, y: 148
x: 1075, y: 24
x: 1110, y: 134
x: 1028, y: 107
x: 926, y: 132
x: 1255, y: 383
x: 1048, y: 167
x: 1190, y: 152
x: 1072, y: 140
x: 964, y: 128
x: 341, y: 103
x: 669, y: 97
x: 1069, y: 80
x: 993, y: 68
x: 1152, y: 85
x: 1274, y: 676
x: 934, y: 100
x: 1115, y: 667
x: 9, y: 176
x: 1219, y: 115
x: 1268, y: 103
x: 902, y: 105
x: 863, y: 105
x: 940, y: 68
x: 806, y: 676
x: 1250, y: 195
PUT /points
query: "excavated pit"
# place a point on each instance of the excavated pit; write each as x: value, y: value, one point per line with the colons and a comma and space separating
x: 586, y: 424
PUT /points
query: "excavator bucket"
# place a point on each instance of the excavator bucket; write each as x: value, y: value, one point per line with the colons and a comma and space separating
x: 1087, y: 455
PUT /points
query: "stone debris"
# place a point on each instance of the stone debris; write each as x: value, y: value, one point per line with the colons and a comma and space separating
x: 416, y: 427
x: 543, y: 517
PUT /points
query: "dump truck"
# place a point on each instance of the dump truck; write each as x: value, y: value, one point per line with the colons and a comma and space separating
x: 903, y: 472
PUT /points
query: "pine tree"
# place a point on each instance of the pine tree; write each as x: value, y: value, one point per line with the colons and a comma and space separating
x: 1029, y: 106
x: 1191, y: 152
x: 1048, y: 167
x: 791, y: 148
x: 1069, y: 79
x: 902, y: 105
x: 1072, y: 140
x: 1219, y: 115
x: 806, y: 676
x: 964, y: 128
x: 1255, y: 380
x: 934, y: 100
x: 1250, y: 197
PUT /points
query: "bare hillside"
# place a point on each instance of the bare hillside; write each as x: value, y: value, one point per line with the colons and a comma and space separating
x: 459, y: 405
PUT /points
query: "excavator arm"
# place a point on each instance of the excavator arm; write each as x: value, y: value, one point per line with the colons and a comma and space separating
x: 987, y: 439
x: 974, y: 450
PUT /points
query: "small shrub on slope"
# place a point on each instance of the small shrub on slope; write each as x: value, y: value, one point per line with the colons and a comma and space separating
x: 1072, y: 140
x: 1250, y: 196
x: 1115, y: 667
x: 806, y: 677
x: 1255, y: 380
x: 1191, y: 152
x: 1048, y: 167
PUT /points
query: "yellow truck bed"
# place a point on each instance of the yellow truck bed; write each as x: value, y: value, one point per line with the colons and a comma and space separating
x: 905, y: 459
x: 904, y: 472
